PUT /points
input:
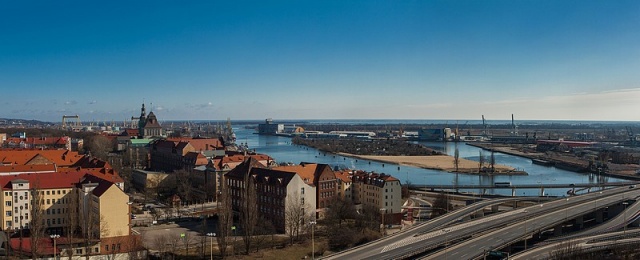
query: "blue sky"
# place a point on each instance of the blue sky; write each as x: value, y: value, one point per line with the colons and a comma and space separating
x: 206, y: 60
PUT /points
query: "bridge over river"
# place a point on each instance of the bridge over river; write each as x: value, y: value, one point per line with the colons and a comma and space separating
x: 513, y: 187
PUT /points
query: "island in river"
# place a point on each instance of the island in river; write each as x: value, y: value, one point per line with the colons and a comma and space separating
x: 400, y: 152
x: 440, y: 162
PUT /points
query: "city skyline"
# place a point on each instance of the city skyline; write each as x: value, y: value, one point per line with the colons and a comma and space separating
x: 250, y: 60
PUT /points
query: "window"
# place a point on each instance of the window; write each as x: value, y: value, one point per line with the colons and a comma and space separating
x: 79, y: 251
x: 58, y: 192
x: 7, y: 203
x: 8, y: 213
x: 8, y: 223
x: 64, y: 191
x: 106, y: 247
x: 26, y: 215
x: 48, y: 201
x: 47, y: 211
x: 47, y: 192
x: 58, y: 211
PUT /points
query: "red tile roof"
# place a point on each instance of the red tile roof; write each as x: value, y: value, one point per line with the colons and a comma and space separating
x: 61, y: 158
x: 201, y: 144
x: 27, y: 168
x: 57, y: 180
x: 306, y: 172
x: 345, y: 176
x: 45, y: 245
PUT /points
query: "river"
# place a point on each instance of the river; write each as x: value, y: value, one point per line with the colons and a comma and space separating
x: 282, y: 150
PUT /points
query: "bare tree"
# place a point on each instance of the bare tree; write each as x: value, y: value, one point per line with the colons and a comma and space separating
x: 99, y: 146
x: 264, y: 230
x: 566, y: 250
x: 160, y: 243
x: 492, y: 162
x: 135, y: 246
x: 456, y: 159
x: 183, y: 185
x: 187, y: 241
x: 249, y: 212
x: 340, y: 210
x: 225, y: 219
x: 174, y: 241
x: 156, y: 213
x: 73, y: 218
x: 36, y: 225
x: 369, y: 218
x: 480, y: 161
x: 441, y: 205
x: 294, y: 216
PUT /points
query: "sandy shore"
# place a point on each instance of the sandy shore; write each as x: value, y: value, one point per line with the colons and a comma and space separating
x: 435, y: 162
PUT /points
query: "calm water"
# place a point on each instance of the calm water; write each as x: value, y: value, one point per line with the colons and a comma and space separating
x: 281, y: 149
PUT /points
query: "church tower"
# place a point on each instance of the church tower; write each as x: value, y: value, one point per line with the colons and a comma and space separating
x: 142, y: 121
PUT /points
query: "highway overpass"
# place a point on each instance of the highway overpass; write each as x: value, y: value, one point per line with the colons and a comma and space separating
x: 467, y: 240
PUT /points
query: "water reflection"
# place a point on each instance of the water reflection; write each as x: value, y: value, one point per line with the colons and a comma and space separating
x: 281, y: 149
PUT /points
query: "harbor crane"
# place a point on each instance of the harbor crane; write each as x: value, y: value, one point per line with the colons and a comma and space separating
x: 76, y: 122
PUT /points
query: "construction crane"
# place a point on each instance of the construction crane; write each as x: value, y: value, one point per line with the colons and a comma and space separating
x: 514, y: 127
x: 632, y: 139
x: 484, y: 127
x: 76, y: 122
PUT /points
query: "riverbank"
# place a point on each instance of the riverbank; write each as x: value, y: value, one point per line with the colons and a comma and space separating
x: 573, y: 164
x: 438, y: 162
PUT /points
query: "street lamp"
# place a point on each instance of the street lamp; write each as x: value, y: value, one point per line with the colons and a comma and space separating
x: 382, y: 211
x: 566, y: 212
x: 525, y: 228
x: 313, y: 244
x: 624, y: 232
x: 54, y: 237
x: 211, y: 235
x: 446, y: 241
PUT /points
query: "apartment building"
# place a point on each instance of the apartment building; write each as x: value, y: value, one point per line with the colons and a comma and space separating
x: 169, y: 155
x: 320, y: 176
x: 345, y: 185
x: 379, y: 190
x: 56, y: 191
x: 277, y: 192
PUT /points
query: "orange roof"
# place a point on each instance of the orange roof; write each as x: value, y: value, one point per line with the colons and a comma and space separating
x: 44, y: 180
x: 344, y: 176
x: 102, y: 173
x: 200, y: 159
x: 61, y: 158
x: 27, y: 168
x: 200, y: 144
x: 23, y: 157
x: 306, y: 171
